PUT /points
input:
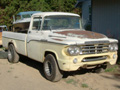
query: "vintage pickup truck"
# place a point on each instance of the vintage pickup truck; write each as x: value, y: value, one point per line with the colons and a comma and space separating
x: 57, y: 40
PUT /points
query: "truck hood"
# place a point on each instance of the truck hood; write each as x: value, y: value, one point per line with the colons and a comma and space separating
x: 81, y: 34
x: 75, y: 36
x: 78, y: 34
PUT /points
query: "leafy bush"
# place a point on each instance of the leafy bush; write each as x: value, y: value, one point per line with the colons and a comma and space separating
x: 9, y: 8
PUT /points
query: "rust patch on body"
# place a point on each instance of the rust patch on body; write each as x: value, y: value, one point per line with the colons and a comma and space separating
x: 82, y: 34
x: 57, y: 39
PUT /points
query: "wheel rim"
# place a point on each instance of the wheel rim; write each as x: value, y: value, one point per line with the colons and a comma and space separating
x: 48, y: 68
x: 9, y: 54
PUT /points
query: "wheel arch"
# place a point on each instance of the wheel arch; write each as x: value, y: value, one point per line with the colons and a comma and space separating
x: 50, y: 52
x: 12, y: 42
x: 54, y: 54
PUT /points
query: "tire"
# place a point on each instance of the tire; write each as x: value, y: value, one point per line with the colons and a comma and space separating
x: 98, y: 70
x: 13, y: 57
x: 51, y: 69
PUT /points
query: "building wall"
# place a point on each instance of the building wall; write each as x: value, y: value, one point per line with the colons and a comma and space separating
x: 85, y: 12
x: 106, y: 17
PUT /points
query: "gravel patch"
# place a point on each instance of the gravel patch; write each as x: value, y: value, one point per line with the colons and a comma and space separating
x: 3, y: 54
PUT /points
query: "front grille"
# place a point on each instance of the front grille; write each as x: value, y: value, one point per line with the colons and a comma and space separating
x: 89, y: 59
x: 94, y: 49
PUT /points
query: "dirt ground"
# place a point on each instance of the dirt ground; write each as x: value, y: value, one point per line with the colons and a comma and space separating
x: 28, y: 75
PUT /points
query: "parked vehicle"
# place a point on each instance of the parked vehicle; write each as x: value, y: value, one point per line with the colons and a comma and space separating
x: 2, y: 27
x: 57, y: 40
x: 22, y: 20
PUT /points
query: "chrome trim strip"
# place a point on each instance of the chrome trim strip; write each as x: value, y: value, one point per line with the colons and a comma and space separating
x: 96, y: 42
x: 95, y: 49
x: 12, y: 38
x: 46, y: 41
x: 94, y: 59
x: 94, y: 53
x: 57, y: 36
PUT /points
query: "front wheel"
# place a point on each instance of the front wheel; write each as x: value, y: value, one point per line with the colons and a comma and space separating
x: 98, y: 70
x: 51, y: 69
x: 13, y: 57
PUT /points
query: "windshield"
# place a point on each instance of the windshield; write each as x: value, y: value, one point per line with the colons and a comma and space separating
x: 61, y: 22
x: 26, y: 16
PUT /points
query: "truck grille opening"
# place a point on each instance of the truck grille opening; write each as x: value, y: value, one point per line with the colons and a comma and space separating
x: 88, y: 59
x: 95, y: 49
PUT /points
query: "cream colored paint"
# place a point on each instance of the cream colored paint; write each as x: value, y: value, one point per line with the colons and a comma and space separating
x: 34, y: 50
x: 65, y: 61
x: 35, y: 44
x: 70, y: 66
x: 19, y: 45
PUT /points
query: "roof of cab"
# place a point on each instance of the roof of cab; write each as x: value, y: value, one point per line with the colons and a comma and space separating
x: 55, y: 13
x: 28, y: 12
x: 3, y: 26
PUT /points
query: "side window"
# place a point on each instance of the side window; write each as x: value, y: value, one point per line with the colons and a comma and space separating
x: 36, y: 23
x: 17, y: 17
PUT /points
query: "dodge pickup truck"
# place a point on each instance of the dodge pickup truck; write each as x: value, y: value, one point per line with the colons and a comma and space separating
x: 57, y: 40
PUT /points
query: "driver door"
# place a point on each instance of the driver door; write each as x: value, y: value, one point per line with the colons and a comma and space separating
x: 33, y: 39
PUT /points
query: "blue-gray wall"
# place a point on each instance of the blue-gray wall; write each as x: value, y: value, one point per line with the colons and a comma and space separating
x: 106, y: 17
x: 85, y: 12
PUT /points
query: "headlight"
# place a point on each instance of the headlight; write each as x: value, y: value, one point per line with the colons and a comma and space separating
x: 73, y: 50
x: 113, y: 47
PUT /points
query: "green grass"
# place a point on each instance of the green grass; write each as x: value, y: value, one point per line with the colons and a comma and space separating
x: 112, y: 69
x: 84, y: 85
x: 69, y: 81
x: 11, y: 68
x: 72, y: 81
x: 8, y: 71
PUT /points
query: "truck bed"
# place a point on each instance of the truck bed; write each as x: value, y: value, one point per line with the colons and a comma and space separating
x: 22, y: 31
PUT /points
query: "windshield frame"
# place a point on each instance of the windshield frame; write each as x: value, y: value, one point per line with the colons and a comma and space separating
x: 80, y: 24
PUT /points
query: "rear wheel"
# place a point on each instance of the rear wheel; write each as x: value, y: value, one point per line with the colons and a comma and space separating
x: 51, y: 69
x: 13, y: 57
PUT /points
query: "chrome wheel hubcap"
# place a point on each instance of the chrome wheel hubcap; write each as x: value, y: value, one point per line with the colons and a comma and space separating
x: 9, y: 55
x: 48, y: 68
